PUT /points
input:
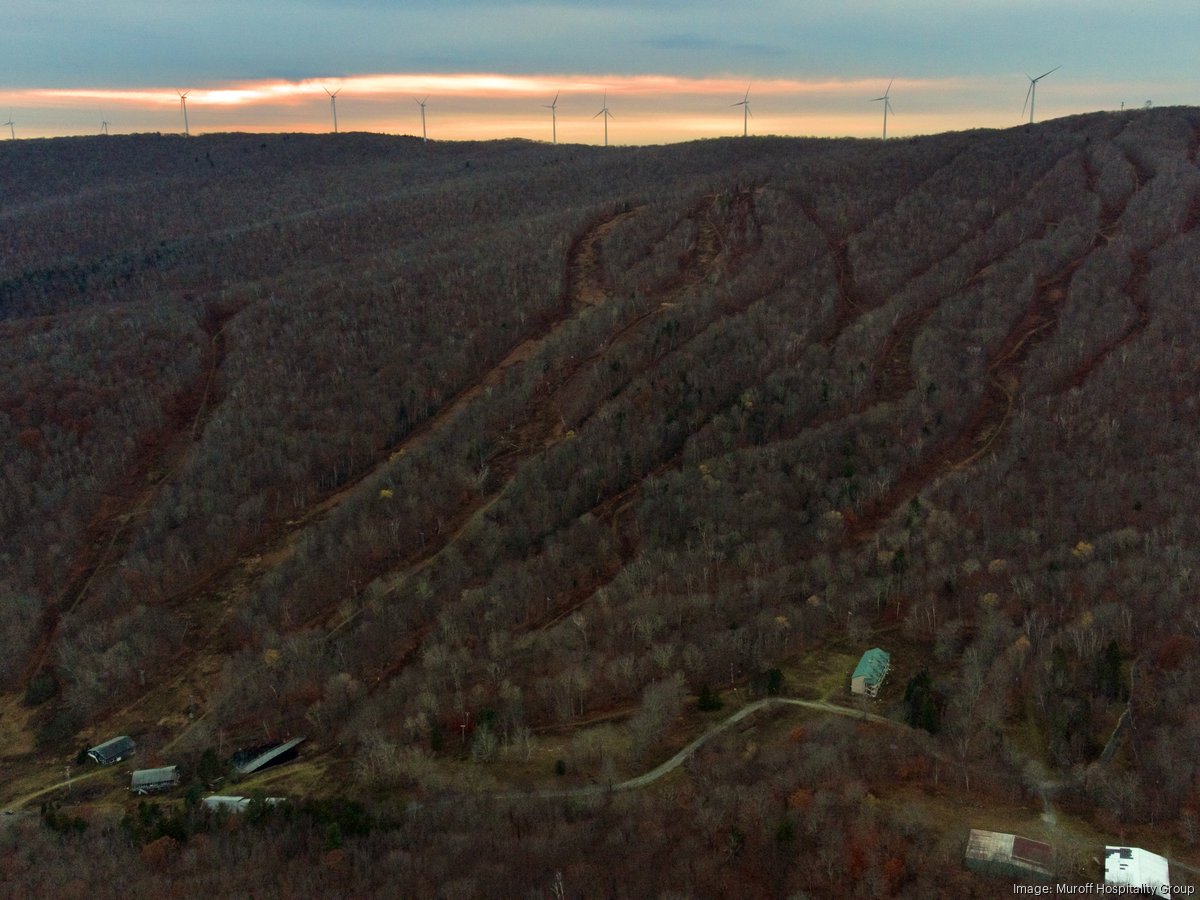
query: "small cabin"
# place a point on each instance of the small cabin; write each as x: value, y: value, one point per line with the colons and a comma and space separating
x: 113, y: 750
x: 1137, y: 871
x: 150, y: 781
x: 870, y: 672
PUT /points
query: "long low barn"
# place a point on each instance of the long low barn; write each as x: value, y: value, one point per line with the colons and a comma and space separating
x: 149, y: 781
x: 1008, y: 855
x: 274, y: 756
x: 113, y: 750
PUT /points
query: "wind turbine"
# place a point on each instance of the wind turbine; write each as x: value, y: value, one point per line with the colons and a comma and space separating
x: 183, y: 109
x: 421, y: 103
x: 1031, y: 94
x: 12, y: 129
x: 553, y: 107
x: 607, y: 115
x: 333, y: 105
x: 103, y: 123
x: 887, y: 105
x: 744, y: 103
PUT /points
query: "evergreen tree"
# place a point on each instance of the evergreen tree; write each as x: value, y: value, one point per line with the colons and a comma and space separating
x: 921, y: 707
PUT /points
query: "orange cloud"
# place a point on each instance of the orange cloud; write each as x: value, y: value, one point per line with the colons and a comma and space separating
x: 468, y: 85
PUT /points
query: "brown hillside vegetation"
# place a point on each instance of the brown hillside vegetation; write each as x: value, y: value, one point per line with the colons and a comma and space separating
x: 473, y: 463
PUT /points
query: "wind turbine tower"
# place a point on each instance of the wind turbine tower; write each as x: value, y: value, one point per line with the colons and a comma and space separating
x: 744, y: 103
x: 553, y: 107
x: 183, y: 109
x: 887, y: 105
x: 607, y: 115
x: 103, y: 123
x: 421, y: 103
x: 1031, y: 94
x: 333, y: 105
x: 11, y: 126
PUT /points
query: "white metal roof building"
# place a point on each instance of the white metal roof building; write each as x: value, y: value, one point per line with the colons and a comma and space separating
x: 146, y: 781
x: 1137, y: 869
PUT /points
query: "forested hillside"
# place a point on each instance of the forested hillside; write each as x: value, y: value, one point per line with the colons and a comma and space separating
x: 476, y: 464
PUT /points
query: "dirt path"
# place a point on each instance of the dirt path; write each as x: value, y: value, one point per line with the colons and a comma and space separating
x: 25, y: 799
x: 210, y: 604
x: 542, y: 424
x: 1043, y: 784
x: 848, y: 307
x: 110, y: 533
x: 987, y: 422
x: 892, y: 375
x: 586, y: 286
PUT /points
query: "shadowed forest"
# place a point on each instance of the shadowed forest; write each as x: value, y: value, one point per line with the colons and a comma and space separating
x: 499, y: 468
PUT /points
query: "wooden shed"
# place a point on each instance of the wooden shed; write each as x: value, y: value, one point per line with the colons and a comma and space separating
x: 870, y: 672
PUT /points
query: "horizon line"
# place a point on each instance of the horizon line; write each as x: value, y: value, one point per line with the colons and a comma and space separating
x: 650, y: 108
x: 344, y: 133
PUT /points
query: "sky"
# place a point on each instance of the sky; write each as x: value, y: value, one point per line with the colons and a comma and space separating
x: 672, y: 71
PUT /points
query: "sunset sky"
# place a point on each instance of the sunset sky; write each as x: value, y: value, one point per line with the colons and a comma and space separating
x: 671, y: 69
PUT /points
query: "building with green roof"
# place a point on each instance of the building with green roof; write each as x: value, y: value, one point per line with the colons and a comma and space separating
x: 870, y: 672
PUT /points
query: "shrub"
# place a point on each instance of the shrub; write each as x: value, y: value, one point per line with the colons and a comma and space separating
x: 41, y: 688
x: 709, y: 700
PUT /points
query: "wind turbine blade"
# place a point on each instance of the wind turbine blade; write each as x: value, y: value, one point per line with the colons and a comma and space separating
x: 555, y: 101
x: 1025, y: 105
x: 889, y: 87
x: 1044, y: 74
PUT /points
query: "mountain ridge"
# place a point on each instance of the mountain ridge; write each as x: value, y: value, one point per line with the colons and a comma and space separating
x: 512, y: 436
